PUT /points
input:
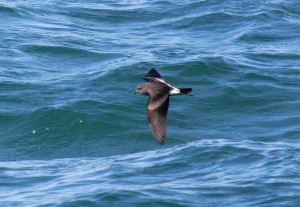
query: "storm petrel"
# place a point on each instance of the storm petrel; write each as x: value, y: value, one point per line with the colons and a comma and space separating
x: 158, y: 91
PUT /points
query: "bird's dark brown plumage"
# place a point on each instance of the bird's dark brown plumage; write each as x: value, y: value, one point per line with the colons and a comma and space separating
x: 158, y: 91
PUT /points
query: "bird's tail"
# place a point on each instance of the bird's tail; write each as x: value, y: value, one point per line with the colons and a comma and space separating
x: 185, y: 90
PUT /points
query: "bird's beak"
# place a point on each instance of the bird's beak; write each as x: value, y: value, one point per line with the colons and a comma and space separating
x: 135, y: 92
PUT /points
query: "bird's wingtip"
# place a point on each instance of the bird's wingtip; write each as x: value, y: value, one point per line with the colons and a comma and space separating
x: 153, y: 74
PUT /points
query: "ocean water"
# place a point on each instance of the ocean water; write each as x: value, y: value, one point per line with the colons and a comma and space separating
x: 73, y: 134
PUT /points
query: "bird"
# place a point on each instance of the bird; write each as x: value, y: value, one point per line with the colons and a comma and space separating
x: 159, y: 92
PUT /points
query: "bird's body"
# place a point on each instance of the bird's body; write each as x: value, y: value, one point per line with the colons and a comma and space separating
x: 158, y: 91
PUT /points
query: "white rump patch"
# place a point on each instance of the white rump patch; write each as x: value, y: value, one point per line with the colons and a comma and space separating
x: 175, y: 91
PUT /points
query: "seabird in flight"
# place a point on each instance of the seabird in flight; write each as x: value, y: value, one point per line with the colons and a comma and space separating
x: 158, y: 91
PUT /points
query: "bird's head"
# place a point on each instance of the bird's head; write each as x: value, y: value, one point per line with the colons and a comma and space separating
x: 142, y: 89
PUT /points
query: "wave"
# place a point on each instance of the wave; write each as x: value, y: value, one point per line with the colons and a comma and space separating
x: 67, y: 51
x: 9, y: 10
x: 70, y: 129
x: 205, y: 169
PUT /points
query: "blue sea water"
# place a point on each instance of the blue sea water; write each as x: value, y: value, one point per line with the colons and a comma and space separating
x: 73, y: 134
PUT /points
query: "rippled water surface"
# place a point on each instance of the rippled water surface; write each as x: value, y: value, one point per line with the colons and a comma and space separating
x: 73, y: 134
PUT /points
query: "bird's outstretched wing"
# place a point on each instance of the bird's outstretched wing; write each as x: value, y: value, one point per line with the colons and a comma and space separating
x: 152, y: 74
x: 157, y: 116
